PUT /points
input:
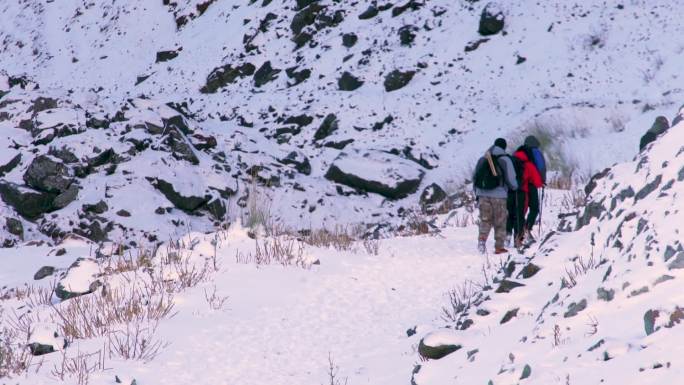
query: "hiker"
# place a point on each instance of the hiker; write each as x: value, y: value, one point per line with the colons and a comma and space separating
x: 539, y: 161
x: 515, y: 205
x: 494, y: 176
x: 660, y: 125
x: 531, y: 181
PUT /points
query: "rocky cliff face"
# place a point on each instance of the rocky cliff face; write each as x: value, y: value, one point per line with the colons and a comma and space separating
x: 154, y: 118
x: 599, y: 300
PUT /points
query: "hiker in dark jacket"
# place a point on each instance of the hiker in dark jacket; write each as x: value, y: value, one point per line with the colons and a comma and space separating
x: 492, y: 202
x: 539, y: 162
x: 530, y: 182
x: 660, y: 125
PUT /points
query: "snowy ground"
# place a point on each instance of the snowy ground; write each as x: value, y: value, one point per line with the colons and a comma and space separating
x: 280, y: 324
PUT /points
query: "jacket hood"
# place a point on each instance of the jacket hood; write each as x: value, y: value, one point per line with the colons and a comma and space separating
x: 520, y: 154
x: 496, y: 150
x: 532, y: 141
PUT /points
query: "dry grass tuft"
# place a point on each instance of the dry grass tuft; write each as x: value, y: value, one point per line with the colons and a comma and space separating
x: 340, y: 238
x: 286, y: 252
x: 137, y: 342
x: 15, y: 358
x: 79, y: 368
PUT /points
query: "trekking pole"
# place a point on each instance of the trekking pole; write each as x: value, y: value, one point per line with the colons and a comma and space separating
x: 541, y: 210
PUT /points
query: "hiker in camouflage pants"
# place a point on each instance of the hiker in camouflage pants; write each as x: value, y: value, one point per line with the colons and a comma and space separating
x: 492, y: 202
x: 493, y: 213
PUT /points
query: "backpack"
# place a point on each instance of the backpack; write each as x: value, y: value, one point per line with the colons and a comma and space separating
x: 484, y: 179
x: 519, y: 167
x: 538, y: 160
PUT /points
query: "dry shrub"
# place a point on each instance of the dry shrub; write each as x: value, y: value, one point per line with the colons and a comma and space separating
x: 215, y: 301
x: 580, y: 266
x: 574, y: 199
x: 340, y: 238
x: 286, y: 252
x: 99, y: 314
x: 118, y: 261
x: 460, y: 298
x: 416, y: 224
x: 137, y: 342
x: 15, y: 358
x: 80, y: 367
x: 258, y: 210
x: 372, y: 246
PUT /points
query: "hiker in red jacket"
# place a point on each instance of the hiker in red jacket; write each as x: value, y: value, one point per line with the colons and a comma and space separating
x: 531, y: 178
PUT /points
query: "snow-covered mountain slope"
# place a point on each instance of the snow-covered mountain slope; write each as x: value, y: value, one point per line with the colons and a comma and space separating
x: 278, y: 91
x: 598, y: 303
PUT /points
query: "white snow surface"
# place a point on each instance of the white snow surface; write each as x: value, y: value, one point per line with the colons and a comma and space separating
x: 596, y: 75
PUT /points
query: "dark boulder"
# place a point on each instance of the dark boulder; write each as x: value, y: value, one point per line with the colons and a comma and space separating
x: 492, y: 20
x: 48, y: 175
x: 411, y: 5
x: 349, y: 39
x: 222, y: 76
x: 305, y: 17
x: 265, y: 74
x: 64, y: 154
x: 397, y: 79
x: 298, y: 77
x: 348, y: 82
x: 43, y: 272
x: 575, y: 307
x: 376, y: 172
x: 98, y: 208
x: 529, y: 271
x: 301, y: 4
x: 407, y: 34
x: 28, y: 203
x: 369, y: 13
x: 216, y: 208
x: 298, y: 160
x: 507, y: 286
x: 302, y: 120
x: 163, y: 56
x: 187, y: 203
x: 65, y: 198
x: 431, y: 196
x: 41, y: 104
x: 179, y: 145
x: 330, y: 124
x: 9, y: 166
x: 14, y: 227
x: 437, y: 345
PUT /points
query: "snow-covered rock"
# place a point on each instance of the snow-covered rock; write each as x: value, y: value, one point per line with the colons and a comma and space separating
x: 81, y: 278
x: 45, y: 338
x: 376, y: 172
x: 438, y: 344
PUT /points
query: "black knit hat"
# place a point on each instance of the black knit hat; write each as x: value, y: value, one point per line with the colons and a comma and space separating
x: 532, y: 141
x: 500, y: 142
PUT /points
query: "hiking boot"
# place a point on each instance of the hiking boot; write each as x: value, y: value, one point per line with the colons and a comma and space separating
x: 482, y: 246
x: 518, y: 242
x: 500, y: 250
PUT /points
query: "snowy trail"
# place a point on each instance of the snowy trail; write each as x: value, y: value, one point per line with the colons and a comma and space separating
x: 280, y: 324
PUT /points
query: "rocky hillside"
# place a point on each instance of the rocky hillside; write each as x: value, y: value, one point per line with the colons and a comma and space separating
x: 599, y: 302
x: 139, y: 119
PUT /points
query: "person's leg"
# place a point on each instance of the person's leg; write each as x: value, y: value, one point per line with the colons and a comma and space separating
x: 510, y: 206
x: 500, y: 218
x: 486, y: 217
x: 519, y: 217
x: 534, y: 208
